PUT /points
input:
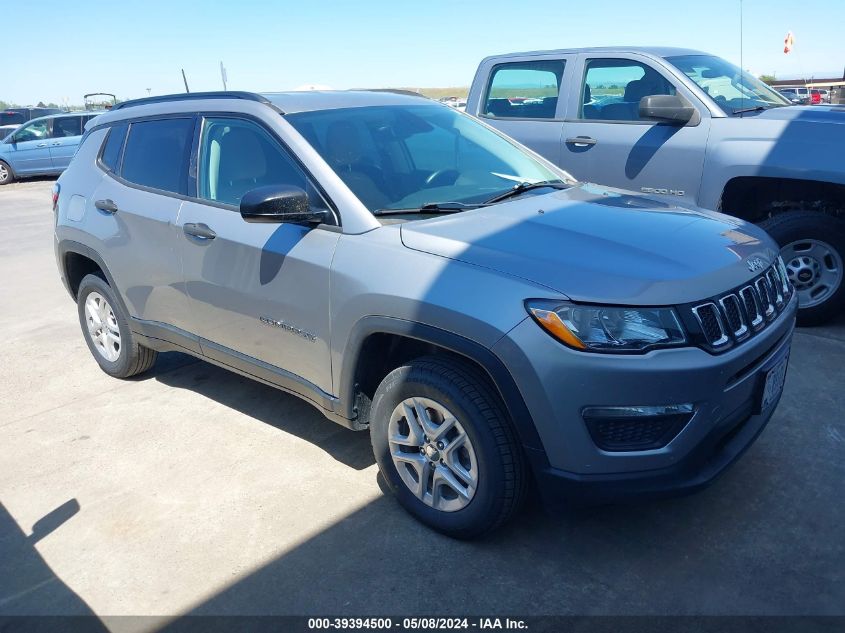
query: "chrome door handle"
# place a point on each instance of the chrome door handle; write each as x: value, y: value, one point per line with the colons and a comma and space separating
x: 581, y: 141
x: 41, y: 145
x: 200, y: 231
x: 106, y: 206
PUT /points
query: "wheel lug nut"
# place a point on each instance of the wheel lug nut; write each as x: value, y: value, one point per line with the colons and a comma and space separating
x: 440, y: 445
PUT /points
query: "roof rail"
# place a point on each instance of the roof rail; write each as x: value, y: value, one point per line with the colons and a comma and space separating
x: 188, y: 96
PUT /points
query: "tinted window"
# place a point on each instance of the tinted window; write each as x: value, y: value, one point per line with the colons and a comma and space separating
x: 613, y: 88
x: 114, y: 143
x: 11, y: 118
x: 237, y: 156
x: 67, y: 126
x: 526, y: 90
x: 156, y: 154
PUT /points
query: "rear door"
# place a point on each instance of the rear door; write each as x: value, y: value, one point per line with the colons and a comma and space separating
x: 138, y: 202
x: 28, y: 149
x: 606, y: 141
x: 258, y: 292
x: 64, y: 139
x: 521, y: 98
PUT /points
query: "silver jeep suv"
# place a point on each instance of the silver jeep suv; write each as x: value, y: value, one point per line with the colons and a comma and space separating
x: 409, y: 270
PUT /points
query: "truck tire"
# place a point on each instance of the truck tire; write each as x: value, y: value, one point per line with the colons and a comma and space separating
x: 813, y: 248
x: 106, y: 331
x: 6, y: 174
x: 445, y: 448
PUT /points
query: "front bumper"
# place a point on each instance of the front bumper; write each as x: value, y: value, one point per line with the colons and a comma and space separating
x: 557, y: 383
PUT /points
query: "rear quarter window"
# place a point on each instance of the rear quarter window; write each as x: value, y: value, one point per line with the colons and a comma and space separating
x: 156, y: 154
x: 113, y: 146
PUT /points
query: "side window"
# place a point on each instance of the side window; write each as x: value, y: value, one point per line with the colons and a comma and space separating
x: 35, y: 131
x: 613, y: 88
x: 67, y: 126
x: 114, y: 143
x: 156, y: 154
x: 237, y: 156
x: 524, y: 90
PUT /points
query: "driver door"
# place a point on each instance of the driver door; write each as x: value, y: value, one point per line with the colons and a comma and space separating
x: 258, y: 292
x: 29, y: 148
x: 606, y: 142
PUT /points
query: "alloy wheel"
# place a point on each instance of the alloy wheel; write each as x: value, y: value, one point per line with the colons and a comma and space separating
x: 433, y: 454
x: 102, y: 326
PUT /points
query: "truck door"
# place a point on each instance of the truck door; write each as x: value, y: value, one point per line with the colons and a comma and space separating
x: 521, y: 99
x: 606, y: 142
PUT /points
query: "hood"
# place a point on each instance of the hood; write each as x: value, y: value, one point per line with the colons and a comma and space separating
x: 601, y: 245
x: 814, y: 114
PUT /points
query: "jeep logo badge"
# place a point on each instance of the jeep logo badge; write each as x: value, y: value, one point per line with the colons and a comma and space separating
x: 754, y: 264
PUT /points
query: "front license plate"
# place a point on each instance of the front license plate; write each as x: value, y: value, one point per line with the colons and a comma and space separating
x: 773, y: 384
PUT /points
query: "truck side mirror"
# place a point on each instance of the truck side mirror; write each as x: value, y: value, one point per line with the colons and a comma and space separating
x: 666, y: 108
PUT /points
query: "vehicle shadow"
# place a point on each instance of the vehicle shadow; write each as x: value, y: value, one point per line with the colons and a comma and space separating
x: 265, y: 404
x: 27, y: 583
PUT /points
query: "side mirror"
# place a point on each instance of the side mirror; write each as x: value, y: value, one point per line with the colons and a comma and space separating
x: 666, y: 108
x: 279, y: 203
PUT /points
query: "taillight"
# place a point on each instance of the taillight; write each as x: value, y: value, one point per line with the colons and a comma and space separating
x: 56, y: 188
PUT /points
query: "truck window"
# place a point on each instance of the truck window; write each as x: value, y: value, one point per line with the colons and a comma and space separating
x: 612, y: 89
x: 524, y: 90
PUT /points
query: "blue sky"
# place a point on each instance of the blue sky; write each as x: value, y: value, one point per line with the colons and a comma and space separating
x: 126, y: 47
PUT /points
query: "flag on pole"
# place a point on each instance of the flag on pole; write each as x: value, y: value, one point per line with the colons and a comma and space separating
x: 788, y: 42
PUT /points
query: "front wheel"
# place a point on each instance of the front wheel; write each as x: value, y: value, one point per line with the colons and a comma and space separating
x: 445, y: 447
x: 6, y: 174
x: 813, y: 248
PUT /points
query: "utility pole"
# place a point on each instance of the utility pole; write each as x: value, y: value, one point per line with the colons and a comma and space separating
x: 223, y: 74
x: 149, y: 90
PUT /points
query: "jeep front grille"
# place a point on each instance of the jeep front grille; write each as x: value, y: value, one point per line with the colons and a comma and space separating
x: 737, y: 315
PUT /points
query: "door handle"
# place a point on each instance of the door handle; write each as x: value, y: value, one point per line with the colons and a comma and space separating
x: 200, y: 231
x: 106, y: 206
x: 41, y: 145
x: 581, y: 141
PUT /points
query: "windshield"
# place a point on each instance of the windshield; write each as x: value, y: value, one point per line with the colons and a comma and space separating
x: 405, y: 157
x: 731, y: 89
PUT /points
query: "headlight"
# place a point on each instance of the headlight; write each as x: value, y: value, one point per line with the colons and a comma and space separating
x: 607, y: 328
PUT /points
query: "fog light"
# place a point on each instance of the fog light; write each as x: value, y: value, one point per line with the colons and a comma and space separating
x: 636, y: 428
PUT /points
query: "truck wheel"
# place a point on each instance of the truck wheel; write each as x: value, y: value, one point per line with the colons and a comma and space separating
x: 106, y: 330
x: 6, y: 174
x: 445, y: 448
x: 813, y: 249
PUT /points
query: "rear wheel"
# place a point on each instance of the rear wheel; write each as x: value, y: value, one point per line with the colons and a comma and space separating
x: 106, y: 330
x: 445, y: 448
x: 813, y: 249
x: 6, y: 174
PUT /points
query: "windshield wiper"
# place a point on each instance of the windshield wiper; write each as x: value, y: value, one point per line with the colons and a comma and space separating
x: 754, y: 109
x: 527, y: 186
x: 431, y: 207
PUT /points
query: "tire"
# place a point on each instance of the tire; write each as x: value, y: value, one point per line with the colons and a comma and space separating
x: 813, y: 248
x: 491, y: 452
x: 121, y: 356
x: 6, y: 174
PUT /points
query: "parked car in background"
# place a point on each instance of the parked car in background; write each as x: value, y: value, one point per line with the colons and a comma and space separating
x: 11, y: 116
x: 369, y: 252
x: 794, y: 97
x: 801, y: 93
x: 690, y: 127
x: 815, y: 96
x: 42, y: 146
x: 825, y: 95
